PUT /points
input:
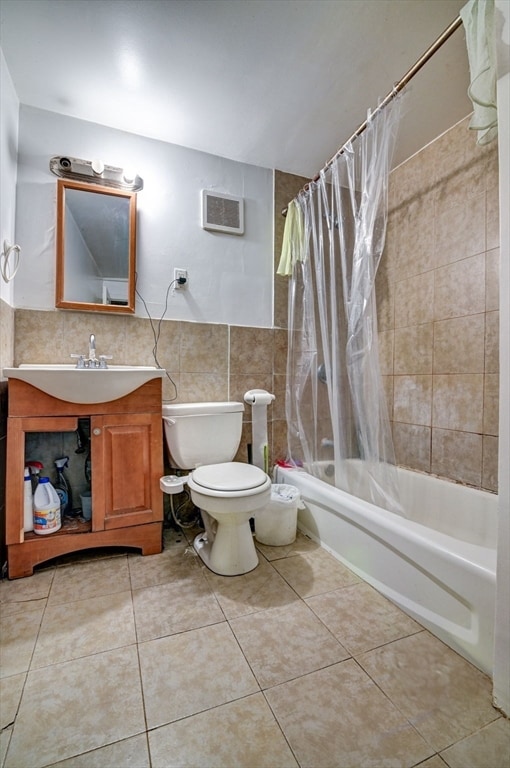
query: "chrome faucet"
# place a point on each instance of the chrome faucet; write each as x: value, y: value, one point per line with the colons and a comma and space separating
x: 92, y: 348
x: 92, y: 361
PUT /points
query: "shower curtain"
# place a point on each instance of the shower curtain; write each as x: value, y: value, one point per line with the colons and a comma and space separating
x: 335, y: 402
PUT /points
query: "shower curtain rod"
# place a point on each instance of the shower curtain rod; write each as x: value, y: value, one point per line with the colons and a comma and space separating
x: 448, y: 32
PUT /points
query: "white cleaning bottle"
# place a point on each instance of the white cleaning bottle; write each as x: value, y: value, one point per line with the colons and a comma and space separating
x: 28, y: 513
x: 46, y: 508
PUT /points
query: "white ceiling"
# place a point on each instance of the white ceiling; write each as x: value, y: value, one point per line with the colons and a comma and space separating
x: 276, y: 83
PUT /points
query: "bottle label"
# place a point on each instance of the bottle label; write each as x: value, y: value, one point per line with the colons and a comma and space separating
x: 47, y: 519
x: 64, y: 499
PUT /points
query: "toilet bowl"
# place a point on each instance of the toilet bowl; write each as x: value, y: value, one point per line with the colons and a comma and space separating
x: 228, y: 494
x: 203, y: 438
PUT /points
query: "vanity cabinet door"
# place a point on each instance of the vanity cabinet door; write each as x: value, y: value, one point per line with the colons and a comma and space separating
x: 127, y: 462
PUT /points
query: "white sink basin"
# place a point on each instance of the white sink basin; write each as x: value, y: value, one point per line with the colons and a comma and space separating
x: 85, y: 385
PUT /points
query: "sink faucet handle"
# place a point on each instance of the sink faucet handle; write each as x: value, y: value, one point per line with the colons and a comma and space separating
x: 103, y: 359
x: 81, y: 360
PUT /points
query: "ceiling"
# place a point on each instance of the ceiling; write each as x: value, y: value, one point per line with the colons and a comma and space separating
x: 275, y: 83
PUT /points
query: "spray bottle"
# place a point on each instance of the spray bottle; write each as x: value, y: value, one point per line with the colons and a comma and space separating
x: 62, y: 488
x: 35, y: 468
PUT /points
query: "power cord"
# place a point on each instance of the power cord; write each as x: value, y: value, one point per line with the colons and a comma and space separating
x: 180, y: 281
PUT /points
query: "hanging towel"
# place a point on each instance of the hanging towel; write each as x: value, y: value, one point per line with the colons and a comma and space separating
x: 478, y: 19
x: 293, y: 240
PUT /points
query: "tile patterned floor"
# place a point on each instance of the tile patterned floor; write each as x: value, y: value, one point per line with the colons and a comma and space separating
x: 115, y: 660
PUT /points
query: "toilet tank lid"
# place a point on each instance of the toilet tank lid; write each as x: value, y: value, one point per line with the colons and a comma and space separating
x: 195, y: 409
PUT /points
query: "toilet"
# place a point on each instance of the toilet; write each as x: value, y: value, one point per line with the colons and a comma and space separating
x: 203, y: 438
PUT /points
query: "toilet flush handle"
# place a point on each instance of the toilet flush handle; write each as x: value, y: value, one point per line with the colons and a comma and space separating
x: 170, y: 422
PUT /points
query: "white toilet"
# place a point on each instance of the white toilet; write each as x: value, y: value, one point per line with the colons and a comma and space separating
x: 204, y: 438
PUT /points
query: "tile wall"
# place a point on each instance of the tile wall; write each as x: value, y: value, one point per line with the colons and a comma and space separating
x: 437, y: 294
x: 286, y: 187
x: 205, y: 361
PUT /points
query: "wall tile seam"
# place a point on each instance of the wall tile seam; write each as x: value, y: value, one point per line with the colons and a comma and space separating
x: 434, y: 350
x: 431, y: 194
x: 459, y: 258
x: 486, y: 407
x: 435, y: 311
x: 462, y: 257
x: 414, y: 372
x: 436, y: 427
x: 485, y: 451
x: 440, y: 182
x: 413, y: 275
x: 455, y: 317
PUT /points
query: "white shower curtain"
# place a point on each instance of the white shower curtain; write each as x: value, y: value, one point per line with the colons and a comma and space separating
x: 335, y: 403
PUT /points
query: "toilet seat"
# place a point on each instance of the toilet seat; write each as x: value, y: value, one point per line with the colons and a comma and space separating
x: 230, y: 479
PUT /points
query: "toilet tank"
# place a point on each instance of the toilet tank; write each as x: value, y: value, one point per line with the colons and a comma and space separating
x: 202, y: 433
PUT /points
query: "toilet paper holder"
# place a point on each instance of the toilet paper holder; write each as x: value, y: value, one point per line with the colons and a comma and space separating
x: 258, y: 397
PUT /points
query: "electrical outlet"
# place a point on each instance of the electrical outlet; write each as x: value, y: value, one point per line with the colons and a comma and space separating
x: 179, y: 275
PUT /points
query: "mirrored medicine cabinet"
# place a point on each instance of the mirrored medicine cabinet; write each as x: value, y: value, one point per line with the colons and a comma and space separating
x: 96, y: 248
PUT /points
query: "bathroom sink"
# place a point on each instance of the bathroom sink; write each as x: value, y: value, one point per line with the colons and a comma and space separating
x: 85, y: 385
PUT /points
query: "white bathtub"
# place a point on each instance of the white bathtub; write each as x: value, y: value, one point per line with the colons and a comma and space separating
x: 438, y: 563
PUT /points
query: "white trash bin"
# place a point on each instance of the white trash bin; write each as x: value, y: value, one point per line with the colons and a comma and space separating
x: 276, y: 524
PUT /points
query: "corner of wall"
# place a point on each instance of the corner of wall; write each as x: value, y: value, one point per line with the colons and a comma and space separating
x: 502, y: 629
x: 9, y: 124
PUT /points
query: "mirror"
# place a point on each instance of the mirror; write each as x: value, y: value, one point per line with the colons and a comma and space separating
x: 96, y: 247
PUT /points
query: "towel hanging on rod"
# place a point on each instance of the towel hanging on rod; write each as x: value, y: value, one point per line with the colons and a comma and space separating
x: 9, y: 273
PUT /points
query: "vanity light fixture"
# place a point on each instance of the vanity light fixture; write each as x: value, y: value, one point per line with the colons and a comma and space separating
x: 95, y: 172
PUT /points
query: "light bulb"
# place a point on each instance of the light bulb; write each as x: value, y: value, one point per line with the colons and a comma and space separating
x: 97, y: 167
x: 129, y: 175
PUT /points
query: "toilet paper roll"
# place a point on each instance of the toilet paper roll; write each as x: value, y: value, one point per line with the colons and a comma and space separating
x: 258, y: 397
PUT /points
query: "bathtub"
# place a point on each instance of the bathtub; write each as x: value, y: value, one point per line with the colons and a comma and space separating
x: 438, y: 563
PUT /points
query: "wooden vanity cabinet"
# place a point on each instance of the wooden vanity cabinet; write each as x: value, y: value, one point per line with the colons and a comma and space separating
x: 127, y: 461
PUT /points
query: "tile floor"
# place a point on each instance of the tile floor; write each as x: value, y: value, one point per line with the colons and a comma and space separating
x: 121, y: 661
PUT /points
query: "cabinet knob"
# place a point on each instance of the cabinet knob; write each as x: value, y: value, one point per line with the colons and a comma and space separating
x: 96, y: 431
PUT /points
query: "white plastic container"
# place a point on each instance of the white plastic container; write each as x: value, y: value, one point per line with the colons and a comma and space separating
x: 86, y: 505
x: 276, y: 525
x: 46, y: 508
x: 28, y: 500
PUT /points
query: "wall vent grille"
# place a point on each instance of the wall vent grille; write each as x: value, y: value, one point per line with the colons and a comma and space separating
x: 222, y: 213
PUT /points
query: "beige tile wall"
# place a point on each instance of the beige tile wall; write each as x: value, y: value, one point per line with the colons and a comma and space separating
x: 437, y: 293
x: 286, y: 186
x: 204, y: 361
